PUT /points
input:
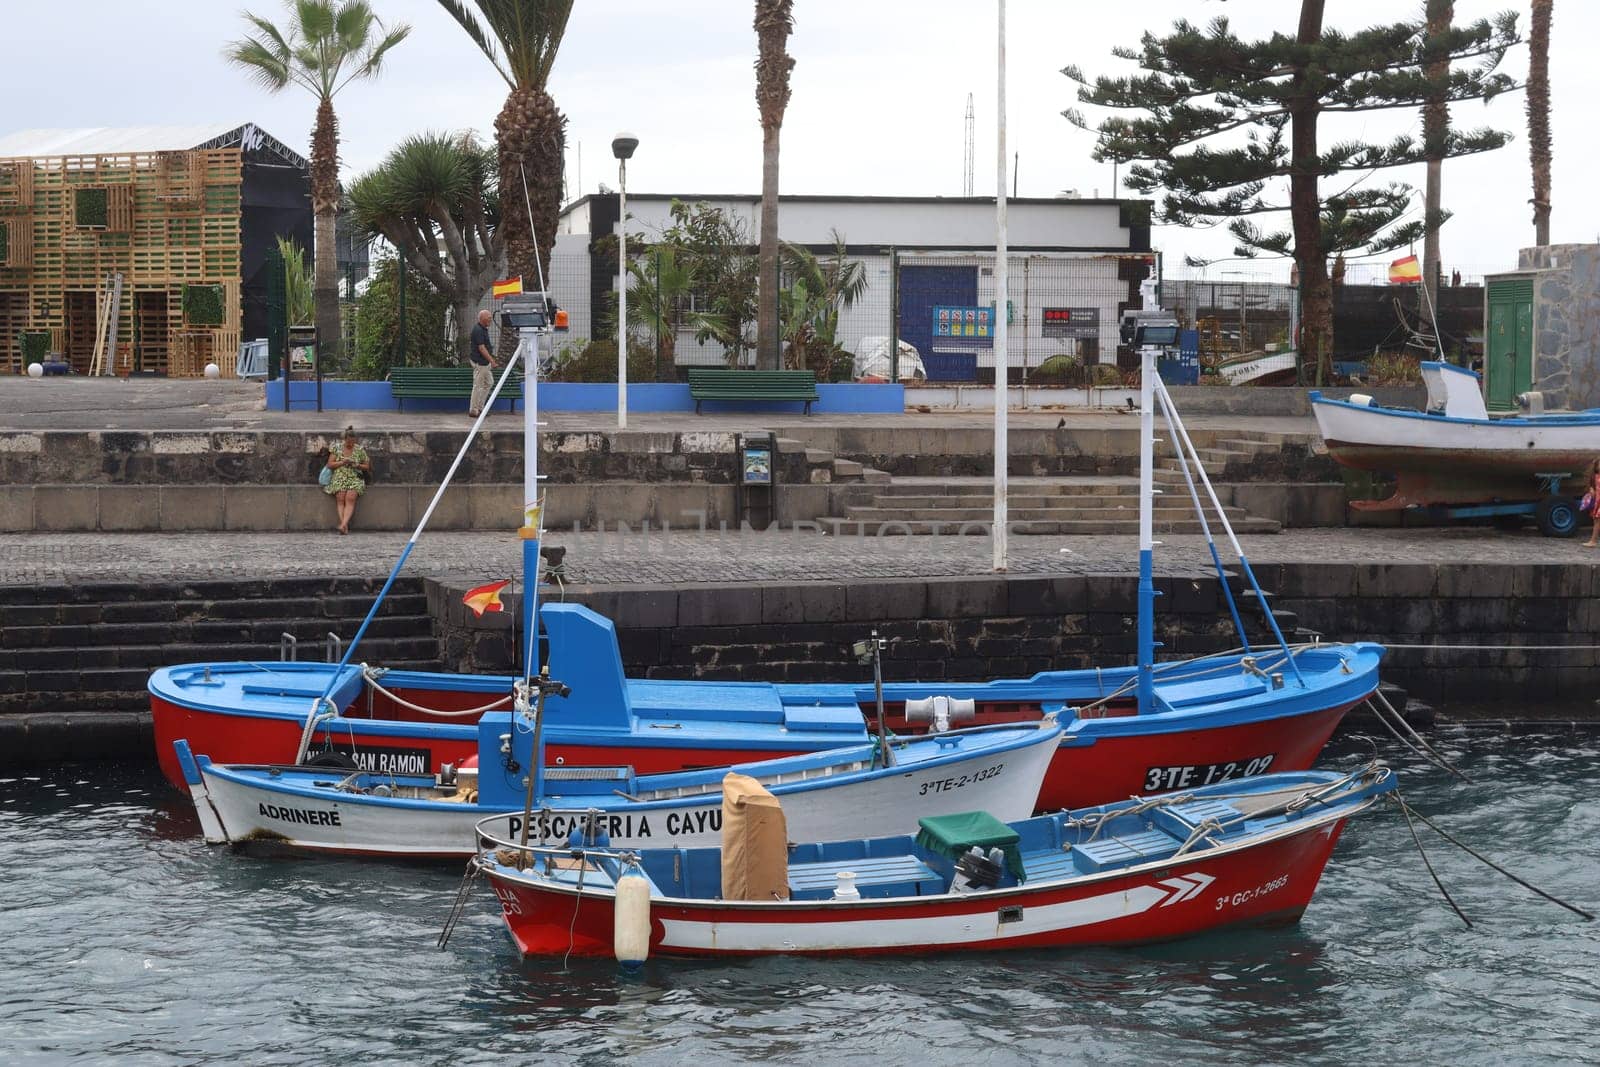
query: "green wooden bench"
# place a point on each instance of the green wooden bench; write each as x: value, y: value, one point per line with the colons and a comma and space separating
x: 799, y: 386
x: 443, y: 383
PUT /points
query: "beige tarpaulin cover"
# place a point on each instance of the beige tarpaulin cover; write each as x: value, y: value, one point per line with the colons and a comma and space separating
x: 755, y: 842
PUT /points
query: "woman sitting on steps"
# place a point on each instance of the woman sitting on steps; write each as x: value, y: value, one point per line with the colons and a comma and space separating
x: 350, y: 465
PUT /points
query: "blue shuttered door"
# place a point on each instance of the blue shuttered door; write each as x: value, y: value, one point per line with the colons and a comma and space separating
x: 921, y: 288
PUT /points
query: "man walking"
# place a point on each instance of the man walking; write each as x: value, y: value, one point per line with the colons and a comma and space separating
x: 483, y: 364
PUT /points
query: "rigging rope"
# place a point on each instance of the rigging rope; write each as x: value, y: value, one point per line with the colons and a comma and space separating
x: 372, y: 680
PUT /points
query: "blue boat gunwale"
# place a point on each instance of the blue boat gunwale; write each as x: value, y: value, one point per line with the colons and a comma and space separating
x: 1308, y: 819
x: 286, y: 779
x: 1357, y: 676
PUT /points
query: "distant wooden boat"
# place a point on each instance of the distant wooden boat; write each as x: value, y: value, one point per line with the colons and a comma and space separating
x: 1246, y: 853
x: 1453, y: 452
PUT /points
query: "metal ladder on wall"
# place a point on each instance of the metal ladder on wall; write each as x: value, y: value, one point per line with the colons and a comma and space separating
x: 108, y: 307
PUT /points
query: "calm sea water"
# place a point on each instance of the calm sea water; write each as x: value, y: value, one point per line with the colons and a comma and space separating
x: 126, y: 938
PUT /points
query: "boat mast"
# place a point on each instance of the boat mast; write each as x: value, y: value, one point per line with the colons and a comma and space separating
x: 1147, y: 448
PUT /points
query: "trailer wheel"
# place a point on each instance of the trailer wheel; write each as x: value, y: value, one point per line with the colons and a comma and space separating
x: 1557, y: 516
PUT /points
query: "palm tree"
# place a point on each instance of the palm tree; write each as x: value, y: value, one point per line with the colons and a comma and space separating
x: 328, y: 45
x: 810, y: 306
x: 436, y: 192
x: 774, y: 22
x: 1539, y: 117
x: 658, y: 298
x: 521, y: 38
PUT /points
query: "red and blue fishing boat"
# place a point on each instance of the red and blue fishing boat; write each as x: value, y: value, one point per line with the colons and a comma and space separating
x: 1150, y: 726
x: 1232, y: 854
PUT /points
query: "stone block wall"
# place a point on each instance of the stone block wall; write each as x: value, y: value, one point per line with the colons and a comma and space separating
x: 1566, y: 323
x: 970, y: 628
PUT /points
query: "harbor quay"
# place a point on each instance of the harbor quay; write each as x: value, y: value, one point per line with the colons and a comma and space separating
x: 146, y: 523
x: 1491, y: 626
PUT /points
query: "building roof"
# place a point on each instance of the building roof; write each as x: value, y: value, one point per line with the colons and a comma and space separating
x: 109, y: 140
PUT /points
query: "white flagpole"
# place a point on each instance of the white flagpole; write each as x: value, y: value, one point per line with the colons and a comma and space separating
x: 1001, y: 448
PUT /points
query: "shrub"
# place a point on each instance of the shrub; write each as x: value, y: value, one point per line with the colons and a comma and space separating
x: 5, y: 243
x: 89, y: 207
x: 202, y: 305
x: 35, y: 347
x: 1060, y: 369
x: 597, y: 362
x: 1393, y: 368
x: 377, y: 324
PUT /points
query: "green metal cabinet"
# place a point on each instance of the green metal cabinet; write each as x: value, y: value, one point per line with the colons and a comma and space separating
x: 1508, y: 342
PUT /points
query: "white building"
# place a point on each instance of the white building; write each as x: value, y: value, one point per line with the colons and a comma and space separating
x: 1086, y: 256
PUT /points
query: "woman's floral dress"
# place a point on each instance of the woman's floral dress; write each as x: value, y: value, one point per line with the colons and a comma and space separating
x: 347, y: 479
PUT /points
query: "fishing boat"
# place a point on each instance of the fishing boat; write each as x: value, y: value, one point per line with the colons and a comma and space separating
x: 828, y: 794
x: 1453, y: 454
x: 1241, y: 853
x: 1126, y: 728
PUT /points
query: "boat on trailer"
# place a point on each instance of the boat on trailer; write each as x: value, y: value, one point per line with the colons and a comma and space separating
x: 1453, y: 455
x: 827, y: 795
x: 1240, y: 853
x: 1127, y: 729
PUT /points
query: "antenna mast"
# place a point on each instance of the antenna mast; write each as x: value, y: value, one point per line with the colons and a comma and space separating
x: 969, y: 159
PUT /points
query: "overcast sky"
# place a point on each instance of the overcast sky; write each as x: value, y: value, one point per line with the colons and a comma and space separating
x: 880, y: 90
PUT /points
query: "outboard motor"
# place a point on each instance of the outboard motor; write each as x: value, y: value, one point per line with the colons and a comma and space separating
x: 941, y: 712
x: 980, y: 871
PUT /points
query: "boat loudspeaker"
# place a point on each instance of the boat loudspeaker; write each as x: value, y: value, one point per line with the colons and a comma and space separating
x: 942, y: 712
x: 1361, y: 400
x: 1531, y: 403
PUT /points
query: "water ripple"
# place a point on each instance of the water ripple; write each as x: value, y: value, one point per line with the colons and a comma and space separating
x: 130, y: 939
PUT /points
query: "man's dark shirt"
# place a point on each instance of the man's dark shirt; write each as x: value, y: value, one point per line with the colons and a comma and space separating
x: 480, y: 336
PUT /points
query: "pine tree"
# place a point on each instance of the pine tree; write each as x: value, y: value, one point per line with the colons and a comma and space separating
x: 1224, y: 121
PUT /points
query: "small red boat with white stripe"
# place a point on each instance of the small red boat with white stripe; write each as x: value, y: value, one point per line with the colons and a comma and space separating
x: 1240, y: 853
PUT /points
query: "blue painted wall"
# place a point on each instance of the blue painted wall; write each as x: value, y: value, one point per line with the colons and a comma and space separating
x: 836, y: 397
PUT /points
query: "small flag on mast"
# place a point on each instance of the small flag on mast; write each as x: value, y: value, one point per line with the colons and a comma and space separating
x: 507, y: 287
x: 1402, y: 271
x: 485, y: 597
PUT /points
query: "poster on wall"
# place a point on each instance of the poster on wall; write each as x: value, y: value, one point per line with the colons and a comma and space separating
x: 1070, y: 322
x: 972, y: 324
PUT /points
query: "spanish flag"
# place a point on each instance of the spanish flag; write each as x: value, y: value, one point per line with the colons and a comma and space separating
x: 485, y: 597
x: 1404, y: 271
x: 507, y: 287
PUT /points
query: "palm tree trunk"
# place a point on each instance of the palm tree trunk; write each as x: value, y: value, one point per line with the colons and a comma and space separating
x: 767, y: 337
x: 1435, y: 123
x: 325, y: 209
x: 1538, y: 103
x: 532, y: 134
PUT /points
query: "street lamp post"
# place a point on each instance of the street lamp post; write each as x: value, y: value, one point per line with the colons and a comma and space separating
x: 622, y: 146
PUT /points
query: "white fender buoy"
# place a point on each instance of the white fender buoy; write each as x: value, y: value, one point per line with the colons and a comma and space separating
x: 630, y: 933
x: 213, y: 371
x: 36, y: 370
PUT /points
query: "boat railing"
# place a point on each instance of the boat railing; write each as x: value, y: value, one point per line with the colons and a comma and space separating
x: 288, y: 647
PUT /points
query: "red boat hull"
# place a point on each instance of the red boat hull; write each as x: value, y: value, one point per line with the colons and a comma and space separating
x: 261, y: 739
x: 1267, y: 884
x: 1110, y: 769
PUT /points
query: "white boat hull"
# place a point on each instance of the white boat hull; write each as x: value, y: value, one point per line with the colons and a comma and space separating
x: 236, y: 810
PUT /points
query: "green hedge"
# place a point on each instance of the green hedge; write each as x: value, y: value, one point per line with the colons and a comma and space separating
x: 5, y: 242
x: 202, y: 305
x: 35, y: 347
x: 89, y: 207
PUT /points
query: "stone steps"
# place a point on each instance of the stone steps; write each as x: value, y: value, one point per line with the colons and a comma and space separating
x: 92, y: 647
x: 1100, y: 527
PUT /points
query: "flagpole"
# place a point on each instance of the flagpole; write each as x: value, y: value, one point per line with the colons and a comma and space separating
x: 1001, y: 399
x: 532, y: 509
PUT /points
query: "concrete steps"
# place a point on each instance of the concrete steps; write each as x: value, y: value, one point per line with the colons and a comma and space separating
x: 92, y: 648
x: 1096, y: 527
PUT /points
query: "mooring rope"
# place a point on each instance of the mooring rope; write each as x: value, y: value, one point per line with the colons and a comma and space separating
x: 1430, y: 824
x: 1405, y: 809
x: 468, y: 878
x: 1427, y: 752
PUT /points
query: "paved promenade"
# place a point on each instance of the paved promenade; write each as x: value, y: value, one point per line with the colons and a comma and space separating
x: 619, y: 559
x: 188, y: 404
